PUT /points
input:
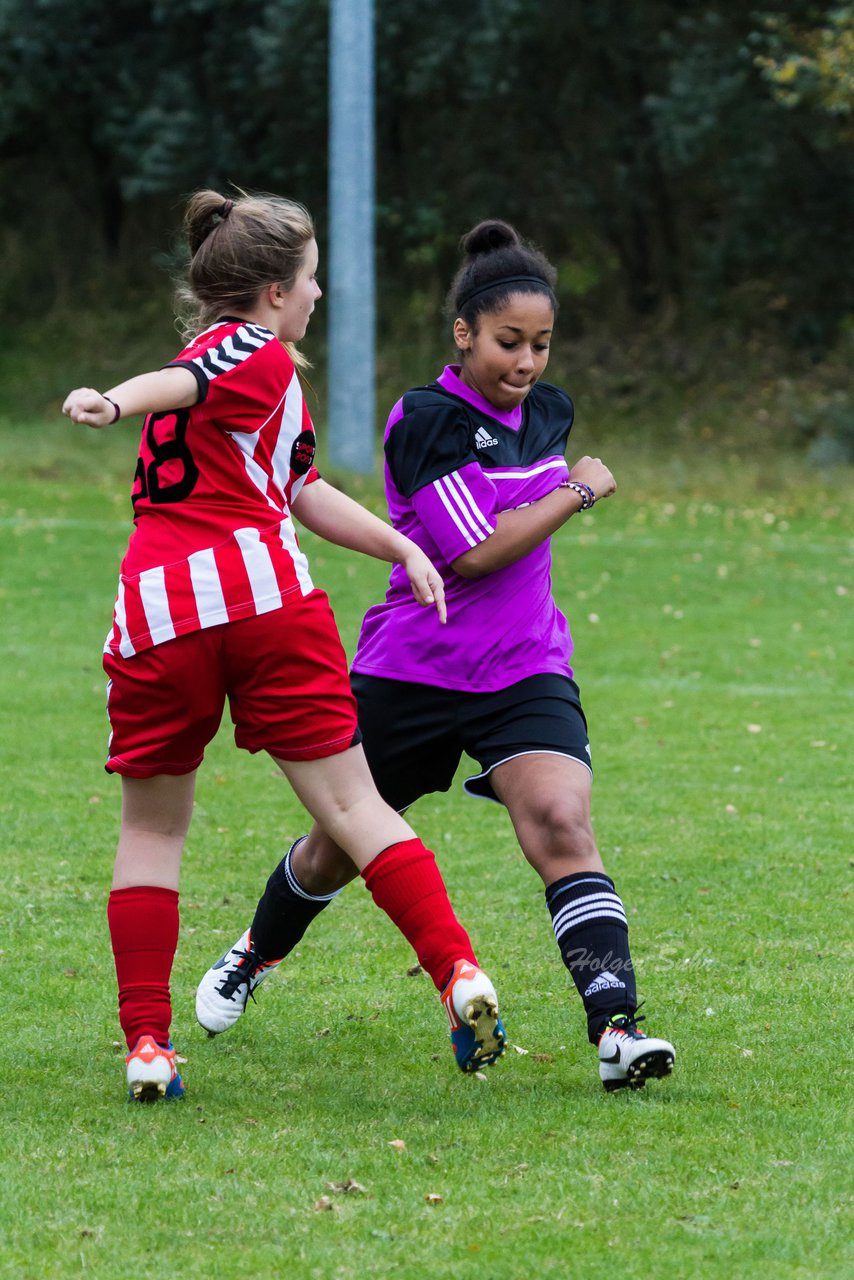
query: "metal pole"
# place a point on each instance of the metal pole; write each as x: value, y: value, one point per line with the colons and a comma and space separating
x: 351, y: 295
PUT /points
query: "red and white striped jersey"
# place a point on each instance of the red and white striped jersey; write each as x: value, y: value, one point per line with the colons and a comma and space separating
x: 214, y: 540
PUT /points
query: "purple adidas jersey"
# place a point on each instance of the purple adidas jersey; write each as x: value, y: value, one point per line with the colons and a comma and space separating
x: 452, y: 463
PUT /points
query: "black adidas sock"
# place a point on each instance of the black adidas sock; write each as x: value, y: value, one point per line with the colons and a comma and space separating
x: 592, y: 933
x: 285, y: 911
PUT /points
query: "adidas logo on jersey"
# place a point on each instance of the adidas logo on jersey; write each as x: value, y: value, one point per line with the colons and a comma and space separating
x: 605, y: 982
x: 483, y: 439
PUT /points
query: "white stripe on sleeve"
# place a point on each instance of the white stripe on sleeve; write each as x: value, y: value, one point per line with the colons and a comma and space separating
x: 468, y: 508
x: 289, y: 428
x: 525, y: 473
x: 437, y: 485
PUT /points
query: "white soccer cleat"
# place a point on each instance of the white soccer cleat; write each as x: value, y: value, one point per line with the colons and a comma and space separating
x: 628, y: 1058
x: 222, y: 994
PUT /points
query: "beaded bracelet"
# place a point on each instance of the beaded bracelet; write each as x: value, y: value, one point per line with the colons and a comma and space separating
x: 588, y: 497
x: 117, y: 413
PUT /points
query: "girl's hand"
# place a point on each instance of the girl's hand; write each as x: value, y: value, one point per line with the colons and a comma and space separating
x: 425, y: 580
x: 593, y: 472
x: 89, y: 406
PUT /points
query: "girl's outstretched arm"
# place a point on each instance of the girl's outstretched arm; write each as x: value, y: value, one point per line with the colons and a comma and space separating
x: 333, y: 516
x: 156, y: 392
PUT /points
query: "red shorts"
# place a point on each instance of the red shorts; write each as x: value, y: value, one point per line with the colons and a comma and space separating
x: 284, y: 674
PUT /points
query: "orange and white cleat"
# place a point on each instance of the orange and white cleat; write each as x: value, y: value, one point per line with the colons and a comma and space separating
x: 151, y: 1072
x: 477, y: 1032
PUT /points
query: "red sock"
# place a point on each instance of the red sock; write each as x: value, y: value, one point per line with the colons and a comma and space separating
x: 405, y: 882
x: 143, y: 924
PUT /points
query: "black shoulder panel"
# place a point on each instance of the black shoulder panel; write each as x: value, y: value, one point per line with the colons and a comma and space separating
x: 432, y: 439
x: 549, y: 413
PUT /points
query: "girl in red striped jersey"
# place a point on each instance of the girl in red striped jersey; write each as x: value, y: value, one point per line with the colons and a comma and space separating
x: 216, y: 602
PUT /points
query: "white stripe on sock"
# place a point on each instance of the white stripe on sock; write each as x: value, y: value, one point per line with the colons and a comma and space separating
x: 295, y: 885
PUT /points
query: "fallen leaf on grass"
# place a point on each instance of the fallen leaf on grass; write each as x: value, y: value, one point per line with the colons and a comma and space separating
x: 432, y: 1198
x: 348, y: 1188
x: 414, y: 971
x: 519, y: 1048
x: 323, y: 1203
x: 542, y: 1057
x: 398, y: 1144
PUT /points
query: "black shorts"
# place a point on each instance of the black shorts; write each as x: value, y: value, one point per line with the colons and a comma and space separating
x: 414, y: 735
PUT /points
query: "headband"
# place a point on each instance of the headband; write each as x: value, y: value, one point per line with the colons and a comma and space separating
x: 502, y: 280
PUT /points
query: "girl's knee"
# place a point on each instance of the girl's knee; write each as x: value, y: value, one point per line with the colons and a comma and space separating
x: 563, y: 822
x: 558, y: 841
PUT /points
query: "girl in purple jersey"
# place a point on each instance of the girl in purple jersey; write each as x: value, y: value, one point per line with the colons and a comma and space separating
x: 475, y: 474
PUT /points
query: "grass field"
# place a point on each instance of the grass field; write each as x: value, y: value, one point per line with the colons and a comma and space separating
x: 711, y: 607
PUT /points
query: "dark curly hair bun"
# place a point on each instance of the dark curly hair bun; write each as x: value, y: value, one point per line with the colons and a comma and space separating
x: 488, y: 236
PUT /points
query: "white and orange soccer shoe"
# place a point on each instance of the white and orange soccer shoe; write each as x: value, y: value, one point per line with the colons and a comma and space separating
x: 477, y: 1032
x: 151, y: 1072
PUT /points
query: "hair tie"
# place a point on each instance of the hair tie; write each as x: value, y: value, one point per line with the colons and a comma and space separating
x: 502, y: 280
x: 226, y: 209
x: 117, y: 413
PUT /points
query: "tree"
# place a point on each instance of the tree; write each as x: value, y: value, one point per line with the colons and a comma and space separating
x: 687, y: 160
